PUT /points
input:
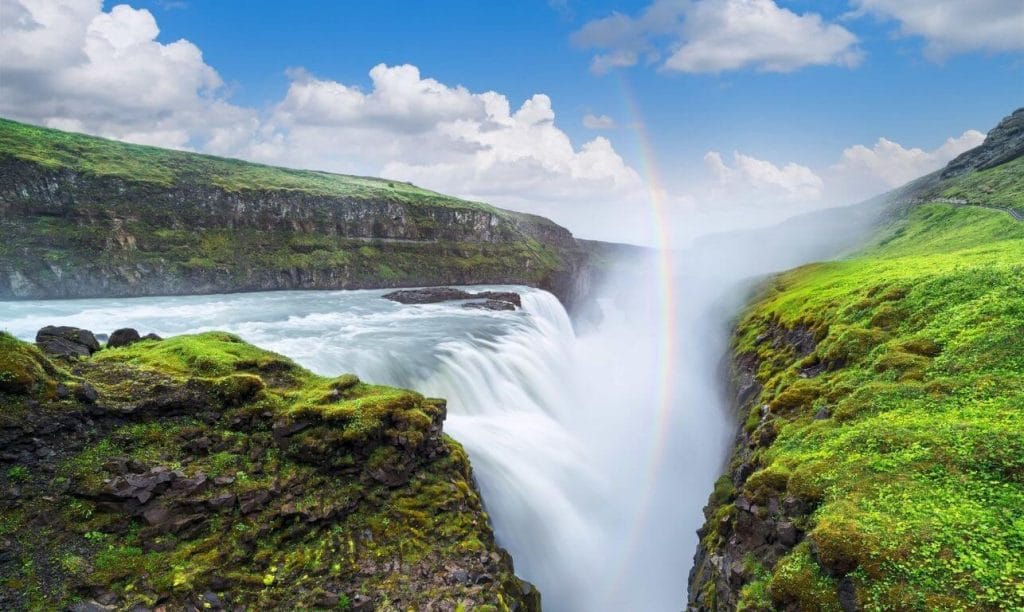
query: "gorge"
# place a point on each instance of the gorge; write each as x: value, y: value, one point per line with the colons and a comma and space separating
x: 595, y: 440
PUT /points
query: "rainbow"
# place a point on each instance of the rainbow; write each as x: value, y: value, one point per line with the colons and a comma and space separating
x: 666, y: 341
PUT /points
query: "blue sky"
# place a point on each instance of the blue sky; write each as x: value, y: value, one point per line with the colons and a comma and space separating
x: 523, y: 47
x: 855, y: 71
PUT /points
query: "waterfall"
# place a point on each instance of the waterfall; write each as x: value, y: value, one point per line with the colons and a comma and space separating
x: 593, y: 485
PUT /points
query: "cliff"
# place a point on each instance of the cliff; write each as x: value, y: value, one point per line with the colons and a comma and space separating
x: 88, y: 217
x: 200, y: 472
x: 879, y: 463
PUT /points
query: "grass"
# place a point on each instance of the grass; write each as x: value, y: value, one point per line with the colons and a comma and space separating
x: 59, y: 150
x: 918, y: 475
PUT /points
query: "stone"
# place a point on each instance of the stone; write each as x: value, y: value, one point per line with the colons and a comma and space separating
x: 492, y: 300
x: 157, y: 515
x: 822, y: 414
x: 123, y: 337
x: 252, y: 501
x: 152, y: 337
x: 141, y: 487
x: 66, y: 341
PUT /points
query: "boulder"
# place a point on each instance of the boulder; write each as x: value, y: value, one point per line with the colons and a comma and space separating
x: 67, y: 341
x: 493, y: 300
x: 123, y: 337
x: 427, y: 295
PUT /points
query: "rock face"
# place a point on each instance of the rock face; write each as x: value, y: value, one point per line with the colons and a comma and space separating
x: 221, y: 226
x: 203, y: 473
x: 1004, y: 143
x: 741, y: 533
x: 494, y: 300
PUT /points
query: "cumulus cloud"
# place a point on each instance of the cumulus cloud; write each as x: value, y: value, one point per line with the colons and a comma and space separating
x: 69, y: 64
x: 954, y: 26
x: 762, y: 180
x: 863, y: 171
x: 712, y: 36
x: 474, y: 144
x: 598, y: 122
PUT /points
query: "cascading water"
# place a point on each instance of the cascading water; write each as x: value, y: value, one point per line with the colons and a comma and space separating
x: 593, y: 483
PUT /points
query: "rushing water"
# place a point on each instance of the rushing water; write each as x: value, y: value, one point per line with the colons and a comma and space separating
x: 593, y: 485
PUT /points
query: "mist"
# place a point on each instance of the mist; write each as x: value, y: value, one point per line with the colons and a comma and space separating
x: 595, y: 447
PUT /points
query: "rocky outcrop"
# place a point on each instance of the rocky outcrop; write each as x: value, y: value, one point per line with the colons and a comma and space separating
x: 1004, y: 143
x: 435, y: 295
x: 203, y: 473
x: 747, y: 525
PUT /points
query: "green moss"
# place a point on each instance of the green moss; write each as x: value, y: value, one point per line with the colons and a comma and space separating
x: 23, y: 369
x: 352, y: 481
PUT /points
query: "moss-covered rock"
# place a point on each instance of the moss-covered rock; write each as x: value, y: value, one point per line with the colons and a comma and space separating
x: 206, y: 472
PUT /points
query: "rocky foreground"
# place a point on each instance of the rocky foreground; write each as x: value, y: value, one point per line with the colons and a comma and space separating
x: 200, y: 472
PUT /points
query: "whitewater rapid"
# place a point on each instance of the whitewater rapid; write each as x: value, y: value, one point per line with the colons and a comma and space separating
x: 593, y: 474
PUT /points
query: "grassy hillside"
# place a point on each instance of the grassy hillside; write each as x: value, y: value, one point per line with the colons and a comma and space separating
x: 199, y: 471
x: 882, y: 461
x: 58, y: 150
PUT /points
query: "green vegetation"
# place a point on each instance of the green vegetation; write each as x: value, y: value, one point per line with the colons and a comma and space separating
x: 55, y: 149
x: 261, y: 483
x: 998, y: 187
x: 916, y: 473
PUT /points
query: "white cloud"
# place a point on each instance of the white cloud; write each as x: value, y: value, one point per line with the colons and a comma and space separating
x: 955, y: 26
x: 712, y: 36
x: 762, y: 180
x: 69, y: 64
x: 598, y: 122
x: 447, y: 138
x: 863, y: 171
